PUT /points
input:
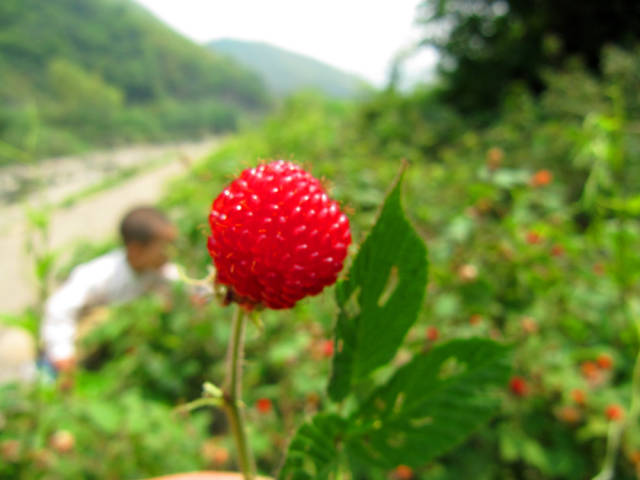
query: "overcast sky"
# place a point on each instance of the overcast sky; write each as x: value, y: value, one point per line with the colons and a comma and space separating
x: 359, y: 36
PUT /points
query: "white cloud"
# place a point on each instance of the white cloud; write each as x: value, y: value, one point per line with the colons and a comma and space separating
x: 359, y: 36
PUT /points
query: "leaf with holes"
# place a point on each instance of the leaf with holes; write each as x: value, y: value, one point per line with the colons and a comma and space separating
x: 429, y: 405
x: 380, y: 298
x: 314, y: 451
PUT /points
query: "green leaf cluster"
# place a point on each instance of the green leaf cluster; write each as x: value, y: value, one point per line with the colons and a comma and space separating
x: 384, y: 414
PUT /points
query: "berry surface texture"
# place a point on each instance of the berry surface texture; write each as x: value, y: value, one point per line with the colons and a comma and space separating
x: 276, y: 236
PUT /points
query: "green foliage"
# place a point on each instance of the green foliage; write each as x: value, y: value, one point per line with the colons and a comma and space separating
x: 551, y: 269
x: 313, y: 451
x: 486, y: 46
x: 428, y: 405
x: 114, y: 429
x: 431, y: 404
x: 105, y: 72
x: 380, y: 299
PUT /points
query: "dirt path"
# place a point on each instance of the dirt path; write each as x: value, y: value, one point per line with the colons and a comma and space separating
x: 93, y: 218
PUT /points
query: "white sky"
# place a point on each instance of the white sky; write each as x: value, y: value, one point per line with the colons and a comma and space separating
x: 359, y: 36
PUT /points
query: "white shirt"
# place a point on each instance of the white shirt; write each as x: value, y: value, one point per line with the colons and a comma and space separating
x: 104, y: 280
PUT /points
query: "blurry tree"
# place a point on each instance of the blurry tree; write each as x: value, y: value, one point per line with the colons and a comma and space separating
x: 485, y: 45
x: 82, y: 96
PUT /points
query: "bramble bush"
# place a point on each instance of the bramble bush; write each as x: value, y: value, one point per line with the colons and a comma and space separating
x: 531, y: 224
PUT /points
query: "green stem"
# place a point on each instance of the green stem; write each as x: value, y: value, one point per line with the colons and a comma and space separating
x: 232, y: 396
x: 613, y: 444
x: 634, y: 408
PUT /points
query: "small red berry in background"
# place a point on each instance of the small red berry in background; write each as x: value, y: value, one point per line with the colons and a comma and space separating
x: 62, y: 441
x: 518, y: 386
x: 475, y: 319
x: 432, y: 333
x: 264, y: 405
x: 495, y: 156
x: 541, y: 178
x: 10, y: 450
x: 533, y: 238
x: 214, y: 454
x: 614, y: 412
x: 327, y: 348
x: 321, y: 348
x: 529, y: 325
x: 598, y: 268
x: 569, y: 414
x: 589, y: 370
x: 276, y: 236
x: 403, y: 472
x: 604, y: 361
x: 579, y: 396
x: 467, y: 272
x: 557, y: 250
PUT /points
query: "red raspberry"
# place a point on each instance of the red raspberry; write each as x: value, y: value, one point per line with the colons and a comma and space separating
x: 263, y: 405
x: 614, y: 412
x: 605, y: 362
x: 327, y: 348
x: 433, y: 334
x: 403, y: 472
x: 519, y: 386
x: 533, y: 238
x: 579, y: 396
x: 557, y: 250
x: 276, y: 236
x: 541, y: 178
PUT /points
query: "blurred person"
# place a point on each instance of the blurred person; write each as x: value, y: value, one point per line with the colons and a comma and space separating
x: 115, y: 277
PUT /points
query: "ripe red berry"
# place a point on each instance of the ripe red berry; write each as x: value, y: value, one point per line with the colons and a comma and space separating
x: 557, y: 250
x: 433, y: 334
x: 276, y: 236
x: 579, y: 396
x: 327, y: 348
x: 589, y: 370
x: 214, y: 453
x: 569, y: 414
x: 403, y: 472
x: 604, y: 361
x: 541, y: 178
x: 614, y: 412
x: 264, y: 405
x: 533, y: 238
x: 518, y: 386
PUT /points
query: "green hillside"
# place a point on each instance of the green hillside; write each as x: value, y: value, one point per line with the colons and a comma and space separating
x: 285, y: 71
x: 78, y: 73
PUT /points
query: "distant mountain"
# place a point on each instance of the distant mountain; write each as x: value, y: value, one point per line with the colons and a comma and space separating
x: 85, y: 72
x: 285, y: 71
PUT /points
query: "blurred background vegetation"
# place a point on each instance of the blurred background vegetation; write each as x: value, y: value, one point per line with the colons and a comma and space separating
x: 525, y: 166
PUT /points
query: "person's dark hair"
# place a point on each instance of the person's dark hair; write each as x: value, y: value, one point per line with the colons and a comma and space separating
x: 141, y: 224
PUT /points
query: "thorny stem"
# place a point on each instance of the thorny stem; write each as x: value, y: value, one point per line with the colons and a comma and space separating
x: 232, y: 396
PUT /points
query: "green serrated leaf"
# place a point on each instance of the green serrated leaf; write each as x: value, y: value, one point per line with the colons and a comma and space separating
x: 430, y: 405
x: 314, y: 451
x: 381, y: 297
